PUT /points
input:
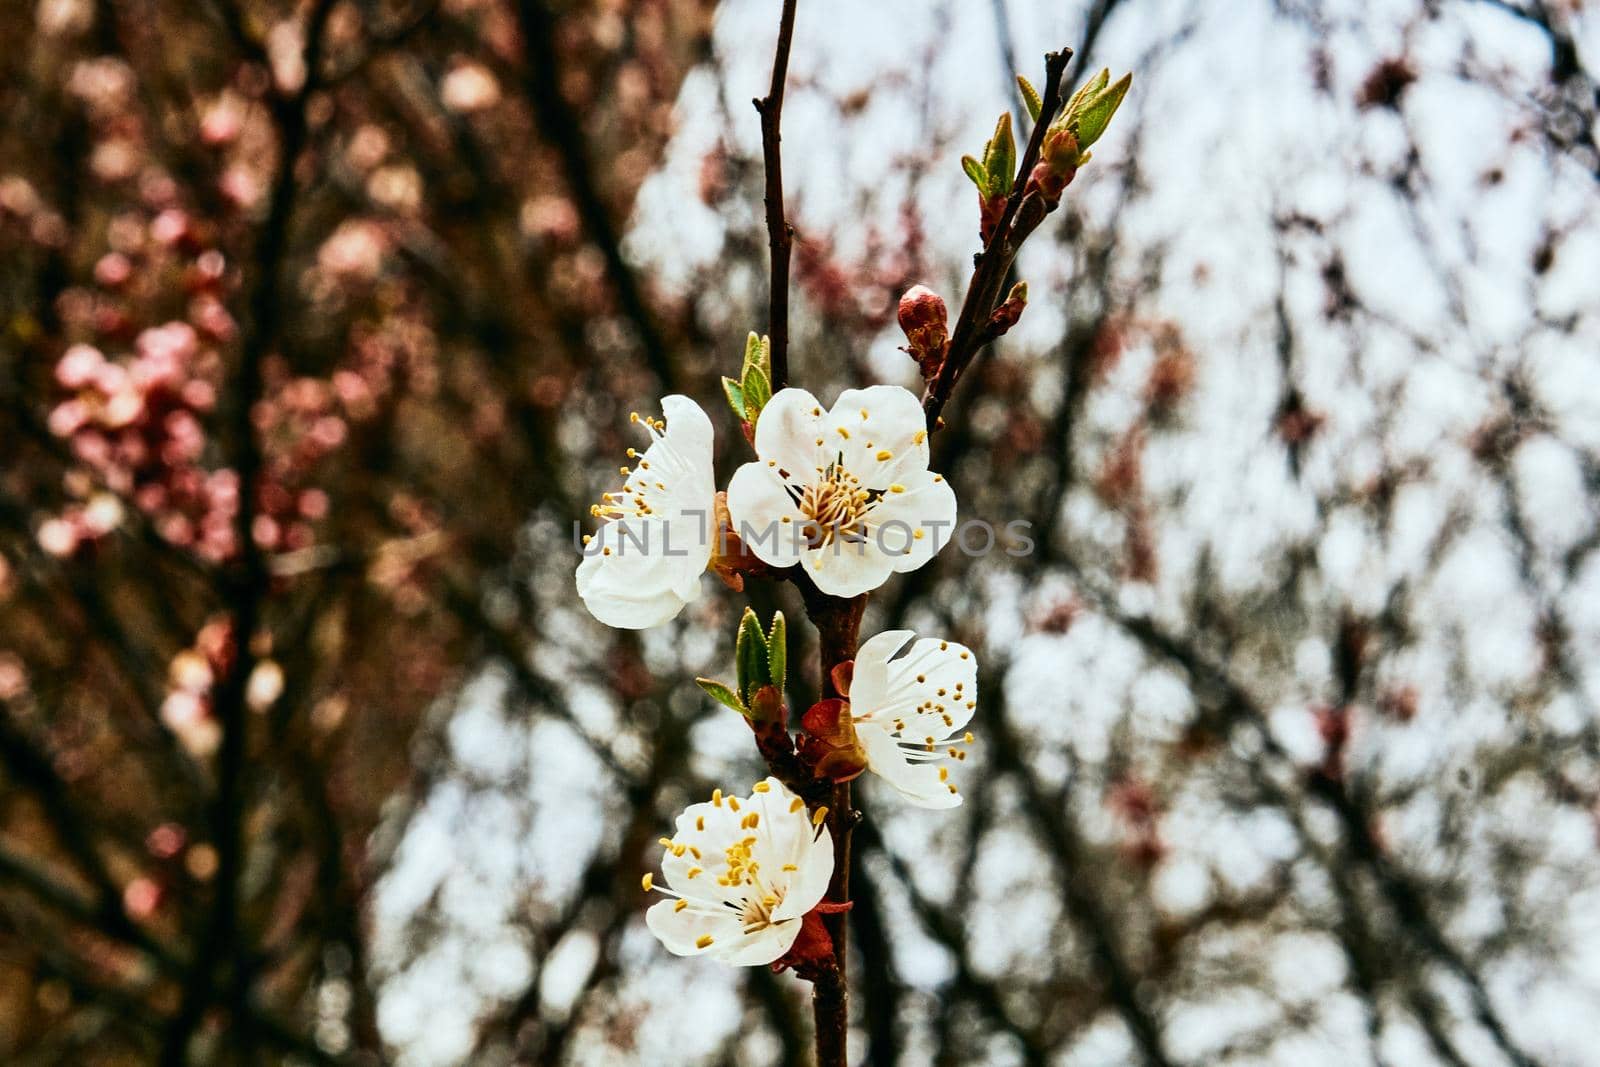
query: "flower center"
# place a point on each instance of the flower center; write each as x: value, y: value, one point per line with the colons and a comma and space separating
x: 743, y: 870
x: 835, y: 506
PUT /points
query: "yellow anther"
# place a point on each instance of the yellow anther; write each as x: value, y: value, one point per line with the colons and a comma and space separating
x: 944, y: 773
x: 790, y: 867
x: 692, y: 872
x: 968, y: 738
x: 648, y: 881
x: 884, y: 454
x: 716, y: 797
x: 844, y: 433
x: 819, y: 815
x: 916, y: 535
x: 680, y: 905
x: 700, y: 823
x: 920, y: 436
x: 796, y: 804
x: 666, y: 842
x: 897, y: 488
x: 704, y: 941
x: 733, y: 802
x: 761, y: 787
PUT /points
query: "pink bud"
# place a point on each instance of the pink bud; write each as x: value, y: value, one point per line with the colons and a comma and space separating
x: 78, y: 366
x: 112, y: 269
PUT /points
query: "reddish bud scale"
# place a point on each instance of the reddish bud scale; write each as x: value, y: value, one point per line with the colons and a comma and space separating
x: 926, y: 322
x: 830, y: 744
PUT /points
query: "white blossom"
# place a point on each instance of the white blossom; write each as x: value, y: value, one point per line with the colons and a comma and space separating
x: 743, y: 872
x: 910, y: 712
x: 846, y: 492
x: 644, y: 563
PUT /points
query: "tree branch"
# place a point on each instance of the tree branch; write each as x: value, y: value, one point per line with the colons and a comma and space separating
x: 779, y: 234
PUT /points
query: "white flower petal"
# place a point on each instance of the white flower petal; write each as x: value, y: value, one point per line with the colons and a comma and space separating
x: 757, y: 948
x: 680, y: 930
x: 918, y: 783
x: 889, y: 443
x: 923, y: 503
x: 813, y: 855
x: 869, y: 684
x: 765, y: 516
x: 689, y: 429
x: 787, y: 432
x: 632, y: 588
x: 847, y: 569
x: 936, y: 675
x: 660, y: 544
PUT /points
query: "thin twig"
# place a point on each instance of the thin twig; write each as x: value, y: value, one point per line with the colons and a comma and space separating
x: 989, y: 271
x: 780, y: 237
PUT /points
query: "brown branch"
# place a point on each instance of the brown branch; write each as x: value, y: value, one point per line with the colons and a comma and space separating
x: 780, y: 236
x: 992, y: 264
x: 559, y: 124
x: 247, y: 586
x: 838, y: 625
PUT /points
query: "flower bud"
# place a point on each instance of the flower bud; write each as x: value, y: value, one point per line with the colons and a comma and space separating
x: 925, y: 320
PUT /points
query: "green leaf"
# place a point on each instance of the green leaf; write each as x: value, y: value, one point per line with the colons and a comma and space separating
x: 757, y: 353
x: 778, y: 650
x: 721, y: 694
x: 757, y: 391
x: 1095, y: 114
x: 1000, y: 158
x: 1030, y: 98
x: 1086, y: 90
x: 735, y: 394
x: 750, y: 655
x: 975, y: 171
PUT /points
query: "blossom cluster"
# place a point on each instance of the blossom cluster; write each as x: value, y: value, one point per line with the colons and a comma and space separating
x: 840, y: 498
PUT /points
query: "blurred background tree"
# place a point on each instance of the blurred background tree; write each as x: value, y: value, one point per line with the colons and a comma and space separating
x: 319, y: 326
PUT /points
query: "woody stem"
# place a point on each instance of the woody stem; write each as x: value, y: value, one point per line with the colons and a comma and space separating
x: 838, y: 625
